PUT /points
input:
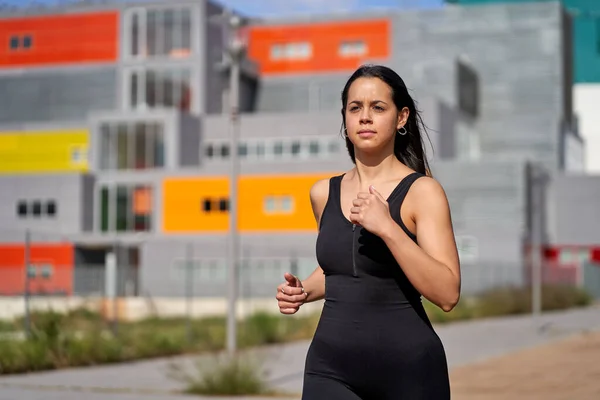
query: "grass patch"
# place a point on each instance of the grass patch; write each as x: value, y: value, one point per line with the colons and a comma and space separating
x: 509, y: 301
x: 225, y: 376
x: 82, y: 338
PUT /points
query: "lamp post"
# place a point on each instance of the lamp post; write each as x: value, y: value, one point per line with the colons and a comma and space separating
x: 235, y: 50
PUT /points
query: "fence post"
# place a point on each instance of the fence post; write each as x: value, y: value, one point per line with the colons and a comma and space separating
x: 110, y: 283
x: 189, y: 288
x: 26, y: 297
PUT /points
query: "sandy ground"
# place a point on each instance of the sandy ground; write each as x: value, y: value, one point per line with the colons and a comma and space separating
x: 564, y: 370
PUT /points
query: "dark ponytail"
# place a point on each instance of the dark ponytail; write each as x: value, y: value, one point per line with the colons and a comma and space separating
x: 408, y: 148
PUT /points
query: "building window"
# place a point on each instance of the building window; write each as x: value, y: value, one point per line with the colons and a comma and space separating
x: 314, y: 147
x: 132, y: 146
x: 211, y: 204
x: 36, y: 208
x: 278, y: 204
x: 104, y: 211
x: 209, y: 150
x: 352, y: 49
x: 161, y: 88
x: 27, y: 42
x: 126, y: 208
x: 267, y: 150
x: 225, y: 151
x: 51, y: 208
x: 270, y: 206
x: 223, y: 205
x: 22, y: 209
x: 296, y: 147
x: 291, y: 51
x: 13, y: 42
x: 243, y: 150
x: 160, y: 33
x: 79, y: 155
x: 287, y: 204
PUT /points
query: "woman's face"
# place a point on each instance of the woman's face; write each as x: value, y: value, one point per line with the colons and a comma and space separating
x: 372, y: 118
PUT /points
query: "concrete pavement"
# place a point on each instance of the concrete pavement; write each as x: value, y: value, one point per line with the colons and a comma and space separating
x: 465, y: 342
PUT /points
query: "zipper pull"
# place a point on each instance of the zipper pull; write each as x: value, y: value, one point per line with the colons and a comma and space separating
x: 353, y: 227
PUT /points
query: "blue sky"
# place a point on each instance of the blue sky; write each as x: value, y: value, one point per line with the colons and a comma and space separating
x: 274, y: 8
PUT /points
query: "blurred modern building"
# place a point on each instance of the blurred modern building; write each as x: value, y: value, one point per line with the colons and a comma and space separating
x: 585, y: 28
x: 114, y: 138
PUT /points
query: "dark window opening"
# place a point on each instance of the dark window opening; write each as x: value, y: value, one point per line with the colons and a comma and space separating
x: 296, y: 148
x: 27, y: 42
x: 225, y: 151
x: 36, y: 209
x: 210, y: 151
x: 14, y: 42
x: 207, y: 206
x: 22, y: 209
x: 278, y: 148
x: 51, y: 208
x: 224, y: 205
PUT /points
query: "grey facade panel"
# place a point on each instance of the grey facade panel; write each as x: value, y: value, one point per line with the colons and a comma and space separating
x: 216, y: 79
x: 87, y: 203
x: 487, y: 201
x: 517, y: 52
x: 301, y: 93
x: 574, y: 208
x: 57, y: 95
x: 65, y: 190
x: 189, y: 143
x: 162, y: 272
x: 269, y: 125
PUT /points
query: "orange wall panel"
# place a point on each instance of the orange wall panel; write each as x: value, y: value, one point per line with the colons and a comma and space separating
x: 325, y: 39
x: 184, y: 197
x: 182, y: 205
x: 61, y: 39
x: 253, y: 217
x: 12, y: 268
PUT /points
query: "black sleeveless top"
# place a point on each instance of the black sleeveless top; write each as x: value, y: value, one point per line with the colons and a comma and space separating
x: 358, y: 265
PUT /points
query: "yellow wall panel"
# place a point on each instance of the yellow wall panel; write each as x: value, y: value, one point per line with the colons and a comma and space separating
x: 184, y: 197
x: 44, y: 151
x: 183, y: 200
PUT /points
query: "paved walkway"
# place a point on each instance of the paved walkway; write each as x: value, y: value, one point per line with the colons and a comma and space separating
x: 465, y: 342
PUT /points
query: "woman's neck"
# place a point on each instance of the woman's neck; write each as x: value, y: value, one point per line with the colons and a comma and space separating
x: 374, y: 170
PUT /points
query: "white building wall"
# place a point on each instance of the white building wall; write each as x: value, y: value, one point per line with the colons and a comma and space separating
x: 587, y: 107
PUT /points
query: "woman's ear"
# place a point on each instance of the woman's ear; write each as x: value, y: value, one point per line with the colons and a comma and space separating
x: 403, y: 117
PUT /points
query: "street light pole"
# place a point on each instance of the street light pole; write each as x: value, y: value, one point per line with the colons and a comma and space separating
x: 235, y: 51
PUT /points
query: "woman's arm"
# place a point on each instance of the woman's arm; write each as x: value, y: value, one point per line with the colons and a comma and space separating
x: 433, y: 265
x: 314, y: 285
x: 290, y: 294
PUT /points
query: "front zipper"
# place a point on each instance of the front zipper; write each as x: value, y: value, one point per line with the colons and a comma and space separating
x: 354, y: 250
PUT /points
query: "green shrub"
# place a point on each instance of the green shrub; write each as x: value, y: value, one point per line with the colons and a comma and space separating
x: 262, y: 328
x: 518, y: 300
x: 238, y: 375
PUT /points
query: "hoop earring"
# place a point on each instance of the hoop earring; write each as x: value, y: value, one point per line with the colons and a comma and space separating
x: 345, y: 132
x: 402, y: 131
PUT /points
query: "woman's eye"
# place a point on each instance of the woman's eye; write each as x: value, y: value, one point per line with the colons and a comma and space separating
x: 352, y: 109
x: 378, y: 108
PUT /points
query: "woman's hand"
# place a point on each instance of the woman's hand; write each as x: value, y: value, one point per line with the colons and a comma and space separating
x: 371, y: 211
x: 290, y: 295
